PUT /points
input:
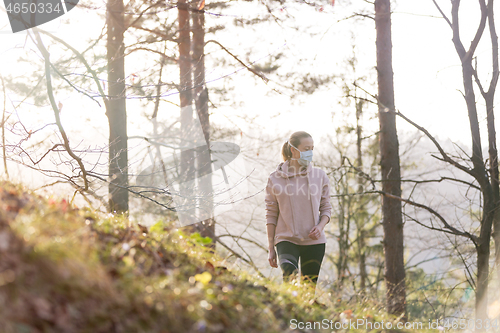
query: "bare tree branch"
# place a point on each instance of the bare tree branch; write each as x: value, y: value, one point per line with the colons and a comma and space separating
x: 82, y: 59
x: 50, y: 93
x: 453, y: 230
x: 262, y: 76
x: 443, y: 14
x: 445, y: 156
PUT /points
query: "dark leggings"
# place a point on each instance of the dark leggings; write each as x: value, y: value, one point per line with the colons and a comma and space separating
x: 311, y: 257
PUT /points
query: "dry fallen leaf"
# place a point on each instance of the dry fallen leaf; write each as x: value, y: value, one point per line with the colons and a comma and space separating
x: 210, y: 266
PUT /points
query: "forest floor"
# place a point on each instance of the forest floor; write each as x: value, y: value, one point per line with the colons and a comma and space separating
x: 69, y: 269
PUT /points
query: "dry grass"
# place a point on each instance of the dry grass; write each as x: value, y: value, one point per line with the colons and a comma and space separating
x: 65, y: 269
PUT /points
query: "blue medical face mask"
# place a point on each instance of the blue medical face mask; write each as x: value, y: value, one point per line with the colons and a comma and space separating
x: 305, y: 156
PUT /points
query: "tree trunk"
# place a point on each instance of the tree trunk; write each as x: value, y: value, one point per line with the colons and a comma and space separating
x: 489, y: 189
x: 490, y: 118
x: 203, y: 159
x: 483, y: 245
x: 479, y: 168
x: 360, y: 224
x: 3, y: 129
x: 116, y: 112
x: 187, y: 167
x: 343, y: 237
x: 493, y: 154
x: 390, y: 167
x: 154, y: 118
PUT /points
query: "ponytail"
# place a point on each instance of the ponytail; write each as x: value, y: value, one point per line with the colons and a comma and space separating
x: 286, y: 152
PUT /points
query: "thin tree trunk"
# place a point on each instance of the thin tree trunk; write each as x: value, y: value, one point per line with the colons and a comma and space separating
x: 3, y: 130
x: 360, y: 224
x: 490, y: 118
x: 489, y: 189
x: 493, y: 154
x: 390, y: 165
x: 154, y: 118
x: 344, y: 229
x: 342, y: 250
x: 116, y: 112
x: 347, y: 233
x: 479, y: 169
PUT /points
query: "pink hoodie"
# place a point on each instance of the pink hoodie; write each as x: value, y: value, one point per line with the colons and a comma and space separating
x: 296, y: 202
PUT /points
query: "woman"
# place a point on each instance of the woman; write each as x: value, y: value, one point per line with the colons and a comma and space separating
x: 297, y: 210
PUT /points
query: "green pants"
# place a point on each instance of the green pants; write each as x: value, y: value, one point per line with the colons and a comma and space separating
x: 310, y: 256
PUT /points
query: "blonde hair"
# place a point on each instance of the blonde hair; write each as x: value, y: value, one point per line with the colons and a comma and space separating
x: 286, y: 150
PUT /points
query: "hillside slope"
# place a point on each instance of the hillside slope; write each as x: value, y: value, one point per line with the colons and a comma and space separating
x: 65, y: 269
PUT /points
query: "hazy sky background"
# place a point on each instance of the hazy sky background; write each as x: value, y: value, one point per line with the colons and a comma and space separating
x: 426, y: 67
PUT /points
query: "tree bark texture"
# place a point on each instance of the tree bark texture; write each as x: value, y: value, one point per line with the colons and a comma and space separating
x: 390, y: 165
x: 116, y: 110
x: 203, y: 158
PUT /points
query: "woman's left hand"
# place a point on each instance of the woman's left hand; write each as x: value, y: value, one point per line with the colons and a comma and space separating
x: 315, y: 232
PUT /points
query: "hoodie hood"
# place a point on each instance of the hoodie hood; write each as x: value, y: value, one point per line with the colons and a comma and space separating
x: 282, y: 170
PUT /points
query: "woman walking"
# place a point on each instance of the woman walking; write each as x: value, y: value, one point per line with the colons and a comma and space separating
x: 297, y: 210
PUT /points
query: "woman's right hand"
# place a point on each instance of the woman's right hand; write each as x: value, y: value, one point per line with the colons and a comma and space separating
x: 272, y: 258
